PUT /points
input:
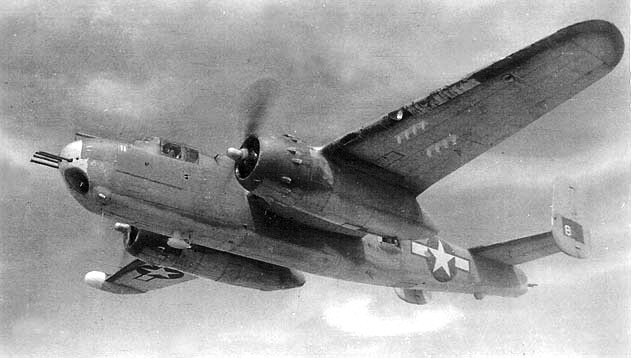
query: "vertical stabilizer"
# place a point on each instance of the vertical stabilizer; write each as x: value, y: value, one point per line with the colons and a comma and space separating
x: 567, y: 218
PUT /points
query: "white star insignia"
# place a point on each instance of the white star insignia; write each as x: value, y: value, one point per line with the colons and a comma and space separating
x: 148, y: 273
x: 442, y: 258
x: 159, y: 273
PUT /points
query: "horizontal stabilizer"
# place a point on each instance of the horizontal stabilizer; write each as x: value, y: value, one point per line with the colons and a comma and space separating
x: 567, y: 234
x: 518, y: 251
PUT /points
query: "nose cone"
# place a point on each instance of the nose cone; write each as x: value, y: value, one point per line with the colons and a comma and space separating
x: 74, y: 170
x: 72, y: 150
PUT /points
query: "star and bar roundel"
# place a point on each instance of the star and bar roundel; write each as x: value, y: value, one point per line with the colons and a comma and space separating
x: 441, y: 259
x: 149, y: 272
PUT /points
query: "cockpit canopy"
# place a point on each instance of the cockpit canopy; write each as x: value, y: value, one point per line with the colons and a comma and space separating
x: 179, y: 151
x: 170, y: 149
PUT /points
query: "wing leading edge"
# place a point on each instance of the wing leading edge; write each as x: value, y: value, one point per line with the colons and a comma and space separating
x: 428, y: 139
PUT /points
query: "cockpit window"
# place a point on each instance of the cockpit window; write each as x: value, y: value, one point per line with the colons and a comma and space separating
x: 177, y: 151
x: 192, y: 155
x: 172, y: 150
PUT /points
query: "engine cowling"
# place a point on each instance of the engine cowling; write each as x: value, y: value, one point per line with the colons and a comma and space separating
x: 283, y: 162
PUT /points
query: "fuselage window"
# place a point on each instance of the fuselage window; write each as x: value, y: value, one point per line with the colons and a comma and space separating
x: 391, y: 240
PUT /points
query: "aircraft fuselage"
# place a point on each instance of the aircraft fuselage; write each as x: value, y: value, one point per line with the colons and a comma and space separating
x: 199, y: 199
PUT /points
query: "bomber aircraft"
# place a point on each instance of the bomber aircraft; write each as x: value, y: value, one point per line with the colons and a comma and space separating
x: 259, y: 215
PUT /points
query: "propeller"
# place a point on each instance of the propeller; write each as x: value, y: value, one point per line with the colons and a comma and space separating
x: 258, y: 98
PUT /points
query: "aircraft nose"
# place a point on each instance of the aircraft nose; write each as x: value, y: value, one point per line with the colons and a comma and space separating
x: 74, y: 169
x: 72, y: 151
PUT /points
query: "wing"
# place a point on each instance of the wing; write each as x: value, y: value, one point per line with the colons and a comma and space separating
x: 425, y: 141
x: 137, y: 277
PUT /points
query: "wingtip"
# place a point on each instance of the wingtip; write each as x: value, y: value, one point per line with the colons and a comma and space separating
x: 611, y: 51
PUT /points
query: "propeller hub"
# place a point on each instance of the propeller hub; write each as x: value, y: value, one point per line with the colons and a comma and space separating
x: 237, y: 154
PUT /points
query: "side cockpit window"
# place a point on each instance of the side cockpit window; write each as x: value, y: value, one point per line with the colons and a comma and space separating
x: 178, y: 151
x: 172, y: 150
x: 191, y: 155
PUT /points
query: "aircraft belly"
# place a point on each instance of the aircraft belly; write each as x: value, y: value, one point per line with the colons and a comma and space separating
x: 300, y: 248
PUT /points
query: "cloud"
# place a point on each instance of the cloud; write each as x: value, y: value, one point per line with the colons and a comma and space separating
x: 359, y: 317
x: 14, y: 152
x: 140, y: 101
x: 107, y: 95
x: 495, y: 168
x: 176, y: 69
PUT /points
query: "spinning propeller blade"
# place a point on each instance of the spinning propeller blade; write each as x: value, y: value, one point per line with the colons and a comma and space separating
x: 258, y: 98
x: 256, y: 101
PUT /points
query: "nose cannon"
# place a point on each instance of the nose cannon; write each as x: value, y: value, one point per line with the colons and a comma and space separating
x: 70, y: 153
x: 48, y: 159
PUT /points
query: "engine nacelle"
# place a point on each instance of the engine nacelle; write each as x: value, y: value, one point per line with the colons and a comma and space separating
x: 285, y: 162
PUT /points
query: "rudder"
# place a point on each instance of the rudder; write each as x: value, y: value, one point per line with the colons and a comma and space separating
x: 568, y: 232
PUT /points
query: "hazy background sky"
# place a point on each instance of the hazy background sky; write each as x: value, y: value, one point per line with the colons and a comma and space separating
x: 177, y: 68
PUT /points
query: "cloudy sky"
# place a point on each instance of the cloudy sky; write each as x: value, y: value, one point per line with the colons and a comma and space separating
x: 177, y: 68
